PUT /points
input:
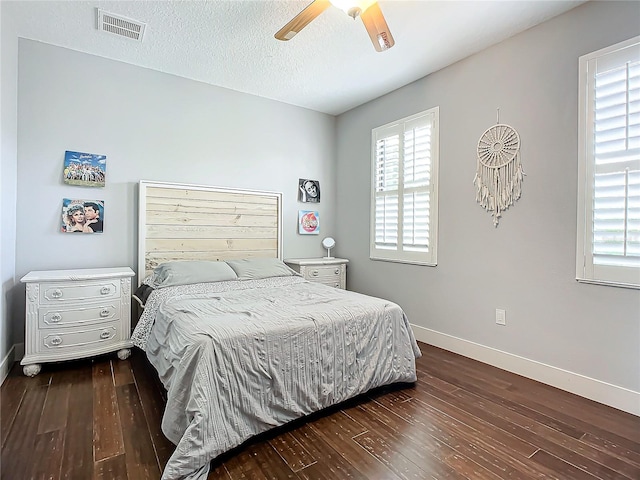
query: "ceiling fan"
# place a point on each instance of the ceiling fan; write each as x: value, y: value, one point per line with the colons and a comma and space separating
x: 368, y: 10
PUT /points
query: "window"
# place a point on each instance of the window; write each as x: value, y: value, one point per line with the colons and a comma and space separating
x: 608, y: 247
x: 404, y: 204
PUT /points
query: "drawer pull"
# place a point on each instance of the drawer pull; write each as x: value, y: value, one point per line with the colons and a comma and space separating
x: 104, y: 312
x: 105, y: 334
x: 57, y: 293
x: 337, y: 272
x: 55, y: 341
x: 314, y: 273
x: 105, y: 290
x: 56, y: 317
x: 337, y: 285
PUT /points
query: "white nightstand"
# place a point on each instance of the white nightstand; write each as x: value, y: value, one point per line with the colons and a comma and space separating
x: 329, y: 271
x: 72, y: 314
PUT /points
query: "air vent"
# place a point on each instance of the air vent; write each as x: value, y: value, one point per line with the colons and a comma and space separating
x: 119, y: 25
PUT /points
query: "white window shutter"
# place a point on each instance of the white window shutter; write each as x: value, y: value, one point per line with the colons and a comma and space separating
x: 609, y: 197
x: 404, y: 203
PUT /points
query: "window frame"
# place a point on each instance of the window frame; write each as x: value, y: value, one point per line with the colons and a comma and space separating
x: 399, y: 255
x: 588, y: 271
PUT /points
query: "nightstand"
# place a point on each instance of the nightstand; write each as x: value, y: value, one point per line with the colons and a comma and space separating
x: 72, y: 314
x: 329, y: 271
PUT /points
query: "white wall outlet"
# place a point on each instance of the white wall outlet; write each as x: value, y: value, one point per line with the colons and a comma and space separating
x: 501, y: 317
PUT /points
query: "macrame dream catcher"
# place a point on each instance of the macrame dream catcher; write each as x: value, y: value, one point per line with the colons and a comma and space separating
x: 499, y: 172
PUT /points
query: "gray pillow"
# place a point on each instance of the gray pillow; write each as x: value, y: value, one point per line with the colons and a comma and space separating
x: 256, y: 268
x: 170, y: 274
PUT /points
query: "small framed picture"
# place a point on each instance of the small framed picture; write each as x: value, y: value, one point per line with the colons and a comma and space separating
x: 308, y: 222
x: 82, y: 216
x: 85, y: 169
x: 308, y: 191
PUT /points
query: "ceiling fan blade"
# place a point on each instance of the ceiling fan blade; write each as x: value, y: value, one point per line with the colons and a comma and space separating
x: 303, y: 19
x: 377, y: 28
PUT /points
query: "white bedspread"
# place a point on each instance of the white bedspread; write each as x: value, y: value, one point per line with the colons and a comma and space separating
x: 241, y: 357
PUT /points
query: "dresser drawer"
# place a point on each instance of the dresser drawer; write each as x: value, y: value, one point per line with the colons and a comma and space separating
x: 78, y: 339
x: 52, y: 293
x: 64, y: 316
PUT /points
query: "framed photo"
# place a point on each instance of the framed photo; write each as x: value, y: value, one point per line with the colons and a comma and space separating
x: 82, y: 216
x: 308, y: 222
x: 308, y: 191
x: 85, y: 169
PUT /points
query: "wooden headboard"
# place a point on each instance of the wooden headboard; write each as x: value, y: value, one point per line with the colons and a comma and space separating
x: 197, y: 222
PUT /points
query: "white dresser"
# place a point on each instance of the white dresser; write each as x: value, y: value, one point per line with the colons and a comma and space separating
x: 329, y: 271
x: 72, y: 314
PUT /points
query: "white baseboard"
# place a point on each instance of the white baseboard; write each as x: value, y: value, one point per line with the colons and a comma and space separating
x: 7, y: 363
x: 16, y: 352
x: 602, y: 392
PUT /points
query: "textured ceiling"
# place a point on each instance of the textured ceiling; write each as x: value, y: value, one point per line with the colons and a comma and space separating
x: 330, y: 66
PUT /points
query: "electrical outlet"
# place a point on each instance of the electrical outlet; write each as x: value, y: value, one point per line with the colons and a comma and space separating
x: 501, y: 317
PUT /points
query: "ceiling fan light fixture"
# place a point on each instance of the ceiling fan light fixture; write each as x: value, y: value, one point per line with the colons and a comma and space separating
x: 353, y: 8
x: 368, y: 10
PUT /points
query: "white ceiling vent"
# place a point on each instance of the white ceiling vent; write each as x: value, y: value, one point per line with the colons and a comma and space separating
x: 119, y: 25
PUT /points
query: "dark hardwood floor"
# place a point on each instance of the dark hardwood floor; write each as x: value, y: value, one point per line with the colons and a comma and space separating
x: 100, y: 419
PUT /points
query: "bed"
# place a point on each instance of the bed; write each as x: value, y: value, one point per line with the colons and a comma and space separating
x: 241, y: 342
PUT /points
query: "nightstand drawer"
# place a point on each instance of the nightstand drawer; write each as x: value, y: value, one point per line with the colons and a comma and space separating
x: 328, y: 275
x: 51, y: 293
x: 62, y: 316
x: 78, y: 339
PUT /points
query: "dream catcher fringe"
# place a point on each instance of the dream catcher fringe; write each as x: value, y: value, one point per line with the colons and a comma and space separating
x: 499, y: 172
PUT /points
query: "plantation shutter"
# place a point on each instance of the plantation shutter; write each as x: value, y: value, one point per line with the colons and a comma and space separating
x: 612, y: 154
x: 402, y: 204
x: 417, y: 170
x: 616, y: 197
x: 387, y: 188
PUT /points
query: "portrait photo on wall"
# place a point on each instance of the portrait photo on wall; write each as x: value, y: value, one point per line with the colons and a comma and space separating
x: 82, y: 216
x: 85, y: 169
x: 308, y: 222
x: 308, y: 191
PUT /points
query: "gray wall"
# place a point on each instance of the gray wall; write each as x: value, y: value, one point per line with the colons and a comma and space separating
x: 526, y: 265
x: 8, y: 159
x: 151, y: 126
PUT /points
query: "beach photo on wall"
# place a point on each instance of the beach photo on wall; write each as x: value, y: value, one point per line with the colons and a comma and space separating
x: 82, y: 216
x: 85, y: 169
x: 308, y: 222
